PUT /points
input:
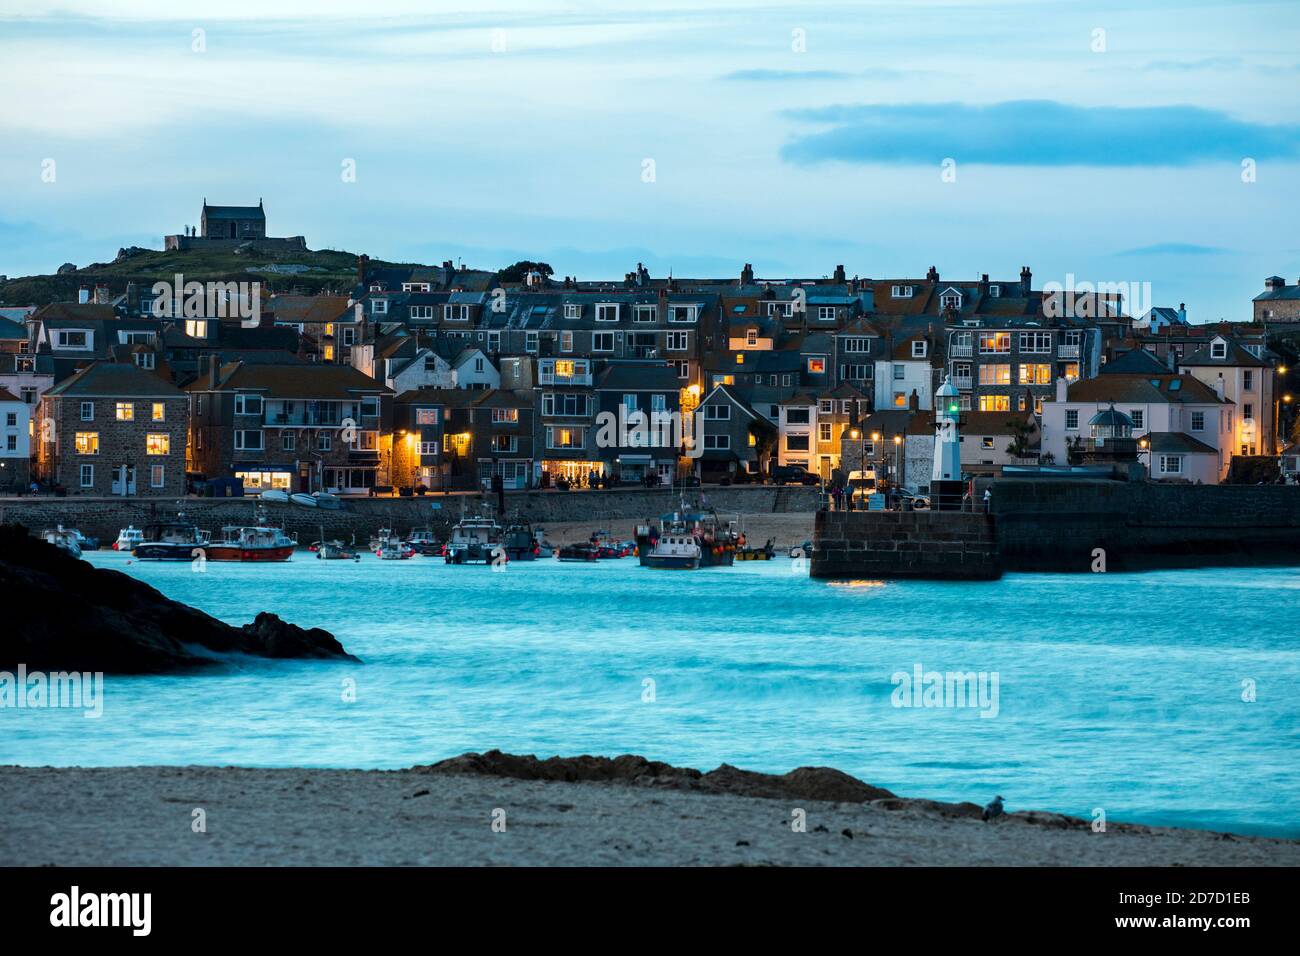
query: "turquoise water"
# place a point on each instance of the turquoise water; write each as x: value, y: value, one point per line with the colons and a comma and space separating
x: 1122, y: 692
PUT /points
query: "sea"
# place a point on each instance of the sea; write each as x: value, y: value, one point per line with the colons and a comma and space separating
x: 1168, y: 698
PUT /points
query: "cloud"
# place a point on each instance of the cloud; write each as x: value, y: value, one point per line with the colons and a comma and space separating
x: 783, y: 76
x: 1188, y: 66
x: 1034, y: 133
x: 1173, y: 249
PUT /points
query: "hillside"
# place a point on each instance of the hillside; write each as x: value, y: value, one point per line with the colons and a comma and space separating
x: 306, y: 272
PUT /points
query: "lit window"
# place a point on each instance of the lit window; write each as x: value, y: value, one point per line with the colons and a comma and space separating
x: 87, y: 443
x: 125, y: 412
x: 816, y: 366
x: 158, y: 443
x: 159, y: 411
x: 995, y: 403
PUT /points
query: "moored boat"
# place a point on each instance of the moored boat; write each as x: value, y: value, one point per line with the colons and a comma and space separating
x: 128, y: 538
x: 275, y: 495
x: 765, y: 553
x: 520, y: 543
x: 544, y: 548
x: 326, y: 500
x: 63, y: 539
x: 673, y: 551
x: 717, y: 541
x: 171, y: 541
x: 424, y: 542
x: 394, y: 549
x: 336, y: 551
x: 607, y: 547
x: 475, y: 541
x: 256, y: 542
x: 586, y: 551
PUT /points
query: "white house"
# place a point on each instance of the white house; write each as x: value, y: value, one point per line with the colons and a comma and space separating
x: 473, y: 369
x: 1183, y: 426
x: 425, y: 369
x: 1247, y: 381
x: 906, y: 370
x: 796, y: 426
x: 15, y: 443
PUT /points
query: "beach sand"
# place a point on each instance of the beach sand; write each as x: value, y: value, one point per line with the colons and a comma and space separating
x: 138, y: 816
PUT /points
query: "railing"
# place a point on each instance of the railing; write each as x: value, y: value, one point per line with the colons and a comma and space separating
x: 962, y: 381
x: 889, y: 501
x: 960, y: 351
x: 1067, y: 351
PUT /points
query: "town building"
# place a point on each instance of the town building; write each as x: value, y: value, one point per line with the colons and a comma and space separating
x: 15, y: 443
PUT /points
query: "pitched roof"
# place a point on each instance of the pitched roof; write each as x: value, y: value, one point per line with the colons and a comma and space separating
x: 639, y: 377
x: 305, y: 381
x: 1176, y: 442
x: 114, y: 380
x: 1144, y: 389
x: 11, y: 330
x: 1135, y: 362
x: 6, y: 396
x: 1235, y: 354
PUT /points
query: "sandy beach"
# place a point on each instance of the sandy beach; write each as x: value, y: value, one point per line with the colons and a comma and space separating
x: 138, y: 816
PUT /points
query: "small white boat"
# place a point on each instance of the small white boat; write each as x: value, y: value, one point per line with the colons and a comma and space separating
x: 276, y: 495
x: 394, y: 549
x: 304, y: 499
x: 326, y: 500
x: 62, y: 539
x: 128, y: 538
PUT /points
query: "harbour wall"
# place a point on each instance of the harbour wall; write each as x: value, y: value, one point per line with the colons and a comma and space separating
x: 1086, y: 525
x: 105, y: 517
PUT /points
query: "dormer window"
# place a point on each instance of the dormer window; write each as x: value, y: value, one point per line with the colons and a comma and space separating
x: 379, y: 306
x: 607, y: 312
x: 951, y: 299
x: 376, y: 287
x: 683, y: 313
x: 751, y: 338
x: 1218, y: 349
x: 455, y: 313
x: 919, y: 348
x: 995, y: 291
x: 902, y: 291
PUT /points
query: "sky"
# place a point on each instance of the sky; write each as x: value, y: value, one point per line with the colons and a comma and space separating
x: 1136, y: 142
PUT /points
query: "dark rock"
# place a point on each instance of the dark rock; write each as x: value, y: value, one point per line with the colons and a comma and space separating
x: 66, y: 268
x: 805, y: 783
x: 63, y: 614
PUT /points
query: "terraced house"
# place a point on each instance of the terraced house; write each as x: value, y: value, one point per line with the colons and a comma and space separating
x: 113, y: 429
x: 296, y: 427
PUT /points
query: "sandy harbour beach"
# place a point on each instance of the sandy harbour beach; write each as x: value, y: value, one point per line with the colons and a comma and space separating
x: 471, y: 811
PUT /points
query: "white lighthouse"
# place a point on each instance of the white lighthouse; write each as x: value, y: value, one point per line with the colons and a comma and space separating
x: 947, y: 447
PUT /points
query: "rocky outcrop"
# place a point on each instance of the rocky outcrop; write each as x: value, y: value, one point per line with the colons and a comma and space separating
x: 804, y: 783
x: 62, y: 614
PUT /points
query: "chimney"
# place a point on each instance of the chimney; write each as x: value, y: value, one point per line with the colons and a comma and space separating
x: 839, y: 275
x: 83, y: 295
x: 1182, y: 312
x: 747, y: 275
x: 1062, y: 386
x: 1171, y: 360
x: 932, y: 275
x: 363, y: 266
x: 132, y: 296
x: 101, y: 295
x: 984, y: 284
x: 1026, y: 280
x: 1274, y: 283
x: 914, y: 402
x: 1218, y: 387
x: 359, y: 312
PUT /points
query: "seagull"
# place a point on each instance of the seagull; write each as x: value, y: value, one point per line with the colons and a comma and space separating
x: 994, y: 809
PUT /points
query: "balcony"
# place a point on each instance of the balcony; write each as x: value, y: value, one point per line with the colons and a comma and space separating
x: 962, y: 382
x: 1067, y: 351
x: 959, y: 351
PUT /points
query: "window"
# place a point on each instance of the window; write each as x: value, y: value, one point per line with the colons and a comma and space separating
x: 88, y: 476
x: 796, y: 442
x: 144, y: 359
x: 995, y: 374
x: 426, y: 416
x: 324, y: 441
x: 679, y: 341
x: 826, y: 313
x: 566, y: 341
x: 995, y: 403
x: 986, y: 442
x: 644, y: 313
x: 919, y: 348
x: 196, y: 328
x: 826, y: 406
x: 11, y: 443
x: 902, y: 291
x: 455, y: 312
x: 859, y: 344
x: 415, y: 287
x: 602, y: 341
x: 248, y: 440
x: 159, y: 411
x: 606, y: 311
x: 717, y: 413
x: 796, y: 416
x: 1138, y: 415
x: 1072, y: 419
x: 1198, y: 421
x: 87, y: 411
x: 288, y: 441
x: 11, y: 419
x: 950, y: 300
x: 564, y: 437
x: 751, y: 337
x: 816, y: 366
x: 857, y: 372
x: 899, y: 373
x: 87, y: 443
x: 1218, y: 349
x: 71, y: 339
x: 572, y: 311
x: 157, y: 476
x: 125, y: 411
x: 689, y: 313
x: 158, y: 443
x: 421, y: 311
x: 900, y: 399
x: 502, y: 416
x: 995, y: 291
x: 720, y: 442
x: 504, y: 443
x: 1038, y: 342
x: 248, y: 404
x: 1248, y: 379
x: 1072, y: 371
x: 428, y: 448
x: 530, y: 342
x: 1171, y: 464
x: 1248, y: 411
x: 494, y: 341
x: 995, y: 342
x: 1038, y: 374
x: 824, y: 432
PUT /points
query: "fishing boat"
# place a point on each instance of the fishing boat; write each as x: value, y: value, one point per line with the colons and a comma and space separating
x: 424, y: 542
x: 544, y: 548
x: 674, y: 551
x: 128, y: 538
x: 380, y: 537
x: 336, y: 551
x: 607, y: 547
x: 475, y: 541
x: 256, y: 542
x: 85, y: 541
x: 520, y: 542
x: 718, y: 540
x: 586, y: 551
x: 171, y: 541
x: 394, y: 549
x: 63, y: 539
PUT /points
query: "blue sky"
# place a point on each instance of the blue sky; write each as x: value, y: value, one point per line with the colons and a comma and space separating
x: 791, y: 135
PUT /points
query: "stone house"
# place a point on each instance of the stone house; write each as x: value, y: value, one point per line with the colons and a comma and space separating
x: 114, y: 429
x: 15, y: 443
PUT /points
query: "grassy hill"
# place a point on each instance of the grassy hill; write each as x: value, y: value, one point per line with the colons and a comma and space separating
x: 305, y: 272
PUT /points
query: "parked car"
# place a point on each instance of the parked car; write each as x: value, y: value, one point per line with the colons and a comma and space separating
x: 792, y: 475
